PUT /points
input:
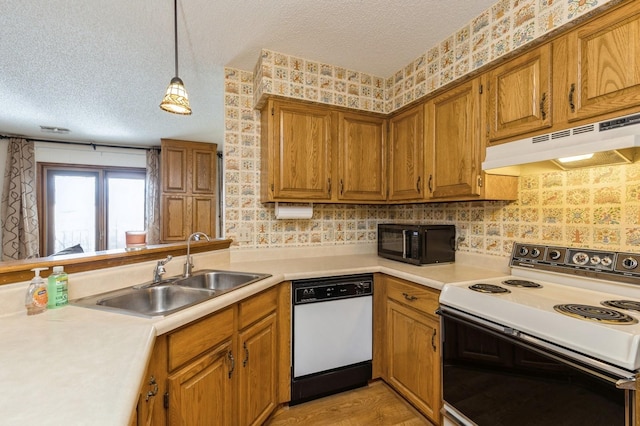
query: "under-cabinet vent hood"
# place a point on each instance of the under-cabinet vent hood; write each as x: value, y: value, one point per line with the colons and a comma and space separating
x: 606, y: 142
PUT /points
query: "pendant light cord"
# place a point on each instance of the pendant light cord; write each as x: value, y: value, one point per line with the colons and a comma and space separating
x: 175, y: 32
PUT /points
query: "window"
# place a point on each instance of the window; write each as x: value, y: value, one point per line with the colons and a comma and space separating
x: 89, y: 205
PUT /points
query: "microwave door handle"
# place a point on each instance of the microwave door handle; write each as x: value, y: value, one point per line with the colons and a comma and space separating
x: 404, y: 243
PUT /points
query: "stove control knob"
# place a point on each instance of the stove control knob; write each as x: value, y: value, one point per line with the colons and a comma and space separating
x: 523, y: 251
x: 555, y: 254
x: 580, y: 258
x: 606, y: 261
x: 535, y: 252
x: 629, y: 263
x: 595, y: 259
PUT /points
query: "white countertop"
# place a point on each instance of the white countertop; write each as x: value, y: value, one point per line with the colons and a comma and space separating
x: 78, y: 366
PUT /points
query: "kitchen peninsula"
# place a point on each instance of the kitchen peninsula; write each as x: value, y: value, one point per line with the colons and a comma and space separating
x: 92, y: 362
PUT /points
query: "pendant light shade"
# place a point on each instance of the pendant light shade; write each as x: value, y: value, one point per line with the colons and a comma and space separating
x: 176, y: 99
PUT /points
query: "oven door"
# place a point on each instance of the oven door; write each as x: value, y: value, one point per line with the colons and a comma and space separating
x: 494, y: 378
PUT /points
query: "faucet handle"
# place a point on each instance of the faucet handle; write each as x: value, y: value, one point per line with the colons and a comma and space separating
x: 165, y: 261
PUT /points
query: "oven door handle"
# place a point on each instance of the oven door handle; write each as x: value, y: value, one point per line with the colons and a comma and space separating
x: 629, y: 384
x: 404, y: 243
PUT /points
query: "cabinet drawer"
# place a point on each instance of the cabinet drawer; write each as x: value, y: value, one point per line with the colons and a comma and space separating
x: 193, y: 340
x: 256, y: 307
x: 418, y: 297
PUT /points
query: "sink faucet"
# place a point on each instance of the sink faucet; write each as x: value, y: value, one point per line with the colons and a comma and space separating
x: 188, y: 264
x: 159, y: 270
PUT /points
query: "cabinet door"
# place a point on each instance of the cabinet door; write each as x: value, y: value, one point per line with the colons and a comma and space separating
x: 203, y: 171
x: 300, y: 152
x: 453, y: 135
x: 413, y: 355
x: 203, y: 215
x: 174, y: 168
x: 520, y: 95
x: 362, y: 157
x: 605, y: 64
x: 257, y: 371
x: 175, y: 217
x: 202, y: 391
x: 406, y: 155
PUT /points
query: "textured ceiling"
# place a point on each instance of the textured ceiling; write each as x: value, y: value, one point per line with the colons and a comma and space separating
x: 100, y: 68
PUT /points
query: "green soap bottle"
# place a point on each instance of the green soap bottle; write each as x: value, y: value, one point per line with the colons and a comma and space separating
x: 58, y: 288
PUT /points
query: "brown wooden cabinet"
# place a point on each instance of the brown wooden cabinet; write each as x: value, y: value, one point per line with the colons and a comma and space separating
x: 604, y: 64
x: 362, y: 165
x: 519, y: 95
x: 226, y: 366
x: 412, y: 344
x: 296, y: 152
x: 456, y: 146
x: 188, y: 201
x: 406, y: 156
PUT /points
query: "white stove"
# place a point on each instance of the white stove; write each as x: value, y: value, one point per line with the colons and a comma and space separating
x: 526, y: 312
x: 530, y: 310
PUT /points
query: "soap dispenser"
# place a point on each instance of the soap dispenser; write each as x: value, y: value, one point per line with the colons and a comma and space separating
x: 36, y: 299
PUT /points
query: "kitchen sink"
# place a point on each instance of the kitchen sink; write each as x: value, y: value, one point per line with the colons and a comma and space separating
x: 220, y: 281
x: 153, y: 299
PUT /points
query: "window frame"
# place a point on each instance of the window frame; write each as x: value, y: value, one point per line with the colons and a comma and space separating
x: 103, y: 173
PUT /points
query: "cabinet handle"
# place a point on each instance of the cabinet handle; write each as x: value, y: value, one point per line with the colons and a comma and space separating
x: 542, y: 105
x: 246, y: 354
x: 233, y: 363
x: 430, y: 183
x: 572, y: 105
x: 341, y: 187
x: 433, y: 340
x: 154, y: 389
x: 329, y: 185
x: 409, y: 297
x: 418, y: 183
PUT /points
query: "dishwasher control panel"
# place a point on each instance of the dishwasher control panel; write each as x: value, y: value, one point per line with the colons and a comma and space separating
x: 324, y: 289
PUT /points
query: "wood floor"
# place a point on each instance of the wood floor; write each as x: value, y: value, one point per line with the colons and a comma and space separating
x: 374, y: 405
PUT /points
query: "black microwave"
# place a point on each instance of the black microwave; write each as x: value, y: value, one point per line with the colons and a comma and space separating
x: 417, y: 244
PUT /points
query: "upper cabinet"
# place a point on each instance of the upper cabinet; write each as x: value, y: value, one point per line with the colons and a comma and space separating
x: 296, y: 152
x: 520, y: 95
x: 362, y: 165
x: 406, y: 156
x: 604, y: 66
x: 188, y: 201
x: 313, y: 153
x: 456, y: 146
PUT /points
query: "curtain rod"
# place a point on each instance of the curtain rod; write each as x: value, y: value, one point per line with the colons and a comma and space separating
x: 91, y: 144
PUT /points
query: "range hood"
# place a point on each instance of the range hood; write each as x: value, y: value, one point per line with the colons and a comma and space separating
x: 606, y: 142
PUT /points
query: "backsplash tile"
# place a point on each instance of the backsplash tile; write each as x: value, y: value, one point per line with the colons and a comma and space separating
x: 597, y: 207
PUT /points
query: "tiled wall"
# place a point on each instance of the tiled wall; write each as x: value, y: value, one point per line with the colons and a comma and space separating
x: 597, y: 207
x: 506, y: 26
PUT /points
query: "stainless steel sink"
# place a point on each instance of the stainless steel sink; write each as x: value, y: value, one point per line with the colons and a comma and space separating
x: 170, y: 295
x: 148, y: 301
x: 220, y: 281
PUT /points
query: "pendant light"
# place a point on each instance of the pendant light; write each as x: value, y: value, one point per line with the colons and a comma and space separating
x: 176, y: 99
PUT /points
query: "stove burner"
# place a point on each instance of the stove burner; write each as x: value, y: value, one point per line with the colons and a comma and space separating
x: 630, y: 305
x: 489, y: 288
x: 522, y: 283
x: 595, y: 313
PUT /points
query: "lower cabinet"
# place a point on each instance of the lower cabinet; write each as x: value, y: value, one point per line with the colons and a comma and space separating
x: 222, y: 369
x: 412, y: 350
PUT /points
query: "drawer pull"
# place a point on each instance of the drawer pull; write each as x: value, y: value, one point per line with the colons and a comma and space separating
x: 409, y: 297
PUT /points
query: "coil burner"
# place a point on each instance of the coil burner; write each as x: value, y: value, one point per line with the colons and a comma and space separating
x: 522, y: 283
x: 629, y: 305
x: 489, y: 288
x: 595, y: 313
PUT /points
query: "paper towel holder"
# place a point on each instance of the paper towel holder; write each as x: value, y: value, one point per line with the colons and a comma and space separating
x: 293, y: 211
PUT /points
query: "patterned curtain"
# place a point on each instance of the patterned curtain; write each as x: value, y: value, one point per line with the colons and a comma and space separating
x: 152, y: 203
x: 19, y: 207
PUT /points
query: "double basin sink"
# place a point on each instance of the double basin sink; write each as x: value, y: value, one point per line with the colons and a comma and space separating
x: 153, y: 299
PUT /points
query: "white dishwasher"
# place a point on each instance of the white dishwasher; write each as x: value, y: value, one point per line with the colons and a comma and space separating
x: 332, y: 335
